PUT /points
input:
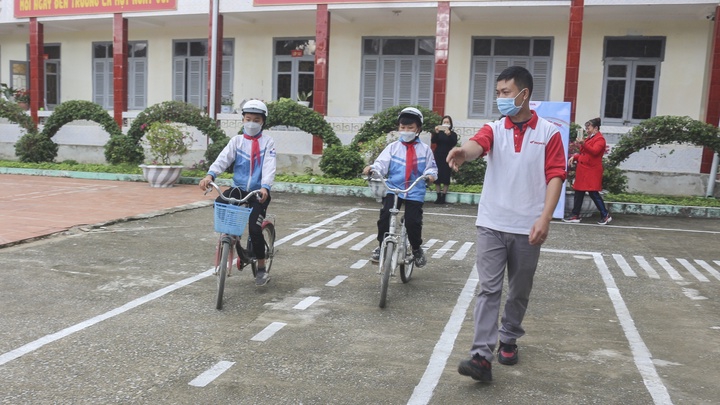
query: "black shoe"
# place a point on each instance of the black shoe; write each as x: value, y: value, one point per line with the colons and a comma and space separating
x: 477, y: 367
x: 507, y: 354
x: 442, y: 198
x: 419, y: 257
x: 438, y: 199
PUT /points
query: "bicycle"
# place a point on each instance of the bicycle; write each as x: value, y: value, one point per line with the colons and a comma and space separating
x: 230, y: 221
x: 395, y: 250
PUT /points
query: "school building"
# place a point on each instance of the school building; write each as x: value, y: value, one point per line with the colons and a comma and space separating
x: 621, y: 60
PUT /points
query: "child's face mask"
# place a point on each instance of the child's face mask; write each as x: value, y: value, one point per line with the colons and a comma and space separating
x: 407, y: 136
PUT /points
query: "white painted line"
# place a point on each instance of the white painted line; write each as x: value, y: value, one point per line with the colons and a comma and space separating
x: 327, y: 238
x: 430, y: 243
x: 344, y: 240
x: 315, y: 226
x: 446, y: 247
x: 717, y: 262
x: 210, y: 375
x: 267, y: 333
x: 693, y: 294
x: 364, y: 242
x: 640, y: 351
x: 669, y: 269
x: 624, y: 266
x: 708, y: 268
x: 359, y: 264
x: 646, y: 266
x: 693, y: 270
x: 32, y: 346
x: 304, y: 304
x: 309, y: 238
x: 463, y: 251
x: 336, y: 281
x: 443, y: 348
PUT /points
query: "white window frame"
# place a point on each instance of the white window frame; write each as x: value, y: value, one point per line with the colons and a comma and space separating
x: 484, y: 70
x: 390, y: 80
x: 103, y: 74
x: 190, y: 72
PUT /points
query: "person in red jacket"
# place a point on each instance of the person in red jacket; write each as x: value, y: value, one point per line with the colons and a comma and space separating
x: 589, y: 172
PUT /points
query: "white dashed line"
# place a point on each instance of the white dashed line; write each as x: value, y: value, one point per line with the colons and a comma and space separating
x: 304, y: 304
x: 267, y: 333
x: 446, y: 247
x: 359, y: 264
x: 693, y: 270
x: 669, y: 269
x: 646, y: 266
x: 327, y: 238
x: 344, y: 240
x: 309, y: 238
x: 462, y: 252
x: 210, y: 375
x: 364, y: 242
x: 336, y: 281
x: 708, y: 268
x: 624, y: 266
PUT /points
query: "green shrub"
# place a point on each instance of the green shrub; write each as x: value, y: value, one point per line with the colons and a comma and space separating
x: 471, y: 173
x: 34, y: 147
x: 385, y: 121
x: 342, y: 162
x: 614, y: 179
x: 288, y: 112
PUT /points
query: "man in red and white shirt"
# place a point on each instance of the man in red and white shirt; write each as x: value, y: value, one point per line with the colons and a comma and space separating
x: 523, y: 181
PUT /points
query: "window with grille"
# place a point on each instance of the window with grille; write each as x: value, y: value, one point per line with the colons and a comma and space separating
x: 190, y: 71
x: 103, y: 93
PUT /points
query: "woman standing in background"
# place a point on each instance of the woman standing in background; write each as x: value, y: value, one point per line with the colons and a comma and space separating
x: 442, y: 140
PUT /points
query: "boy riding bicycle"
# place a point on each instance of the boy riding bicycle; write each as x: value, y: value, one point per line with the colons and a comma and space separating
x: 402, y: 162
x: 252, y: 155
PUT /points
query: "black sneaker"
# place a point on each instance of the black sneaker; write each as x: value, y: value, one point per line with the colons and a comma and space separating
x: 262, y: 277
x: 419, y: 256
x: 375, y: 257
x: 507, y: 354
x: 476, y: 367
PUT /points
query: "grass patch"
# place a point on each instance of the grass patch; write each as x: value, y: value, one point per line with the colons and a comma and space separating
x: 70, y: 165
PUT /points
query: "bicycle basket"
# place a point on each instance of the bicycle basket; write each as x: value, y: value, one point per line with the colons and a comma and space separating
x: 231, y: 219
x: 377, y: 188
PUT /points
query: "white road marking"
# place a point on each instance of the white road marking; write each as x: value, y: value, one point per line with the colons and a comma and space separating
x: 693, y: 270
x: 624, y: 266
x: 646, y: 266
x: 267, y: 333
x: 32, y: 346
x: 315, y: 226
x: 446, y: 247
x: 641, y: 353
x: 327, y: 238
x: 708, y: 268
x: 309, y: 238
x: 359, y: 264
x: 430, y: 243
x: 364, y: 242
x: 444, y: 346
x: 210, y: 375
x: 693, y: 294
x: 336, y: 281
x: 344, y: 240
x: 669, y: 269
x: 304, y: 304
x: 462, y: 252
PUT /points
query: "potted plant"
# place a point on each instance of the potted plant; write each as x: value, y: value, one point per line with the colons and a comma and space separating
x: 22, y: 97
x: 226, y: 104
x: 303, y: 98
x: 165, y: 140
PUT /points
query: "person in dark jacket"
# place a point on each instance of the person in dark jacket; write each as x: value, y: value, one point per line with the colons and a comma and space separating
x: 442, y: 140
x: 589, y: 172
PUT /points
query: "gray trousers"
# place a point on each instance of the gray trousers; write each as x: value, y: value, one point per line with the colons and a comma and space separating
x: 495, y: 251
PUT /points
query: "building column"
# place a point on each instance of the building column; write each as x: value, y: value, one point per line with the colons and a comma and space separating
x: 572, y: 66
x: 320, y: 84
x: 442, y: 48
x: 120, y: 67
x: 37, y: 68
x: 712, y: 115
x: 217, y: 47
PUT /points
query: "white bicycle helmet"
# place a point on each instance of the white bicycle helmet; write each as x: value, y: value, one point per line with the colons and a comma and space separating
x: 412, y: 112
x: 255, y: 107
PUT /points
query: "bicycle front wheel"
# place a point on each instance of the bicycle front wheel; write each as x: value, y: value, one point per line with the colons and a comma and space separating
x: 268, y: 231
x: 222, y: 272
x: 405, y: 258
x: 386, y: 271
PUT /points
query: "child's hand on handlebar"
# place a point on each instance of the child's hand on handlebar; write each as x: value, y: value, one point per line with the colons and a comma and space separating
x: 205, y: 182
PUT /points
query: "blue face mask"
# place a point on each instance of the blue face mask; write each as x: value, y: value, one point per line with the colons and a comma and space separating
x: 507, y: 107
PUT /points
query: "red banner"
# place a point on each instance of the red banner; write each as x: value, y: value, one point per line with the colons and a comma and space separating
x: 53, y: 8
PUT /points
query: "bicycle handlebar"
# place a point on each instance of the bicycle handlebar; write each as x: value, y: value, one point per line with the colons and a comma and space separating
x: 230, y: 199
x: 375, y: 176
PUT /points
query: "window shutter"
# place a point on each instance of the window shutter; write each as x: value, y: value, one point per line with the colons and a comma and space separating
x: 541, y: 81
x: 387, y: 88
x: 99, y: 82
x: 179, y: 79
x: 195, y: 82
x: 227, y: 85
x: 498, y: 65
x: 110, y: 85
x: 481, y: 97
x: 425, y: 82
x: 137, y: 87
x: 369, y: 86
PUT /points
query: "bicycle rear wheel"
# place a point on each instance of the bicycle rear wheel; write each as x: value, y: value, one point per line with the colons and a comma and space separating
x: 222, y: 272
x: 407, y: 261
x: 268, y: 231
x: 386, y: 271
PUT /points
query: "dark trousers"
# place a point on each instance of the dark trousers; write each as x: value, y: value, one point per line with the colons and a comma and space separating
x: 413, y: 219
x: 257, y: 216
x: 595, y: 196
